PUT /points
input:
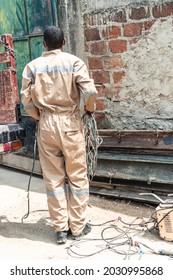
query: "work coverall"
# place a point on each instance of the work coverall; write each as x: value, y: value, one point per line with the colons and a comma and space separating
x: 52, y: 86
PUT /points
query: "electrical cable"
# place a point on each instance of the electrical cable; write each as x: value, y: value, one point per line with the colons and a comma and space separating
x: 102, y: 224
x: 132, y: 223
x: 31, y: 174
x: 119, y: 240
x: 92, y: 142
x: 122, y: 242
x: 71, y: 251
x: 155, y: 221
x: 113, y: 244
x: 140, y: 226
x: 165, y: 215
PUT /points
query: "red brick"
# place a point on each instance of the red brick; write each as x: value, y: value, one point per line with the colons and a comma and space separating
x: 98, y: 48
x: 95, y: 63
x: 117, y: 76
x: 132, y: 29
x: 111, y: 32
x: 101, y: 76
x: 118, y: 16
x: 113, y: 62
x: 100, y: 105
x: 163, y: 10
x: 148, y: 24
x: 118, y: 46
x: 139, y: 13
x: 92, y: 34
x: 156, y: 11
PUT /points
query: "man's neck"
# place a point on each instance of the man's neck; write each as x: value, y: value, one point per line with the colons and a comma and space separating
x: 54, y: 49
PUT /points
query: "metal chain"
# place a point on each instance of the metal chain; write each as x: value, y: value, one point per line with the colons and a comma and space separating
x: 93, y: 141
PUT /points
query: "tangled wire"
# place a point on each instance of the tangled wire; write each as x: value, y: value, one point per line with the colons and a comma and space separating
x: 93, y: 141
x: 123, y: 238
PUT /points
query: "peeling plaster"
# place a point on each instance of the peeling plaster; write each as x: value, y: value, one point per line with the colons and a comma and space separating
x: 147, y: 92
x: 91, y: 6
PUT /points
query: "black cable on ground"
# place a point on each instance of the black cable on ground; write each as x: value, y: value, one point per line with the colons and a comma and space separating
x: 30, y: 177
x: 121, y: 242
x: 113, y: 244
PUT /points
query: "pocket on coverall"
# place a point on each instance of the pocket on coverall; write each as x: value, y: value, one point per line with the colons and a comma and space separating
x: 73, y: 135
x: 70, y: 124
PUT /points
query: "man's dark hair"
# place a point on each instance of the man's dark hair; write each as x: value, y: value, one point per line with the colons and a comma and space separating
x: 53, y: 37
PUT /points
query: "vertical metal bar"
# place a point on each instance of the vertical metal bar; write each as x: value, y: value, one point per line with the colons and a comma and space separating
x: 54, y: 14
x: 27, y: 29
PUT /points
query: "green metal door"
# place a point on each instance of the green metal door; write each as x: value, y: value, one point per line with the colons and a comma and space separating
x: 26, y: 20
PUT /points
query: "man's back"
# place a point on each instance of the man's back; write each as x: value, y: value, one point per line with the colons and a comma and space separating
x: 56, y: 76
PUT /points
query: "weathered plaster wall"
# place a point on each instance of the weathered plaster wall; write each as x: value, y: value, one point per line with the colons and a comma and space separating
x: 71, y: 21
x: 90, y: 5
x: 129, y: 48
x: 146, y: 97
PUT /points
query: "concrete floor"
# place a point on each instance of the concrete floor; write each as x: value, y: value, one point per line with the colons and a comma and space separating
x: 34, y: 239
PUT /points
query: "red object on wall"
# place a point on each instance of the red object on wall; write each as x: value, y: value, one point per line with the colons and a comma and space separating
x: 9, y: 96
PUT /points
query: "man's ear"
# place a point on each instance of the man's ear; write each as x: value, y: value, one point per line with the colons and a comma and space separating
x: 44, y: 44
x: 64, y: 41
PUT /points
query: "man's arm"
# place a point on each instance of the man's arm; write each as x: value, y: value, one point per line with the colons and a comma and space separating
x: 27, y: 81
x: 86, y: 85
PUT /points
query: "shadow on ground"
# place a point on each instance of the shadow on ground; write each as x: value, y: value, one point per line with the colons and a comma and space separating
x: 39, y: 231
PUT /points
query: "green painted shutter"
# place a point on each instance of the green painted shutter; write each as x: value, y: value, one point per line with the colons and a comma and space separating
x: 26, y: 21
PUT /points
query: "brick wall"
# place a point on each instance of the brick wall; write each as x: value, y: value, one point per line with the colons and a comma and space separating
x: 110, y: 39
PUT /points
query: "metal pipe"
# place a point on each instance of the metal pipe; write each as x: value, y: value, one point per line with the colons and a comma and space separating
x: 63, y: 21
x: 161, y: 200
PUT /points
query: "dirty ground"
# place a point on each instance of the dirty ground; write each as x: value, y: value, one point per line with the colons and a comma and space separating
x: 34, y: 239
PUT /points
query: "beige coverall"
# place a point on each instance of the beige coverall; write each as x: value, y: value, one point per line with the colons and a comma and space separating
x: 50, y: 93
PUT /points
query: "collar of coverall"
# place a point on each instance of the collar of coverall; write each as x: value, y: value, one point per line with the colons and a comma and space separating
x: 46, y: 53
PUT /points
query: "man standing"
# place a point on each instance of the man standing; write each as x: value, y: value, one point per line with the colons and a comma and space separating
x: 52, y: 86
